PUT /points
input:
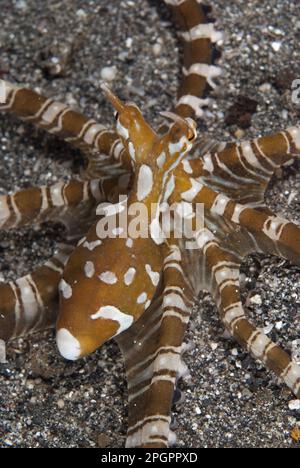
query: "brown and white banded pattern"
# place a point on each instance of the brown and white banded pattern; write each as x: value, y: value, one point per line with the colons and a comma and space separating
x: 198, y: 38
x: 154, y: 363
x: 102, y: 146
x: 30, y: 303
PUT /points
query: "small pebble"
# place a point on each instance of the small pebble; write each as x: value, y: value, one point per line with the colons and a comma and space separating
x: 239, y: 134
x: 109, y: 73
x: 276, y: 46
x: 294, y: 405
x: 214, y: 346
x: 256, y: 299
x: 265, y: 88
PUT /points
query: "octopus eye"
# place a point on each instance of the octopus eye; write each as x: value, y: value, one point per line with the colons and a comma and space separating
x: 191, y: 135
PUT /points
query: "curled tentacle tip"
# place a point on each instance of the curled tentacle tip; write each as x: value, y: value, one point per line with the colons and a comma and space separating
x: 171, y: 116
x: 182, y: 121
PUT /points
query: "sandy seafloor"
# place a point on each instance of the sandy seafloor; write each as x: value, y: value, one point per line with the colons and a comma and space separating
x: 230, y: 401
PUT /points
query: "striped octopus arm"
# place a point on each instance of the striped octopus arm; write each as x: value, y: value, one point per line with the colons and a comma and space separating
x: 104, y: 149
x: 30, y: 303
x: 268, y: 232
x: 152, y: 350
x: 225, y: 287
x: 53, y: 203
x: 259, y: 232
x: 198, y: 37
x: 251, y: 163
x: 98, y: 143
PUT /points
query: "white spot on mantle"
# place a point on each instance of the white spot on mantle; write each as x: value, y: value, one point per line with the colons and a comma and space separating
x: 154, y: 276
x: 113, y: 313
x: 92, y: 245
x: 89, y: 269
x: 145, y: 182
x: 108, y: 277
x: 129, y: 276
x: 142, y: 298
x: 65, y: 289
